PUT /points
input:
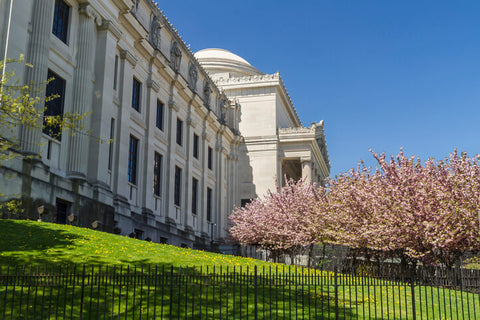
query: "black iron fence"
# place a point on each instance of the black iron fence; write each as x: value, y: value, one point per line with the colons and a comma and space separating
x: 164, y: 292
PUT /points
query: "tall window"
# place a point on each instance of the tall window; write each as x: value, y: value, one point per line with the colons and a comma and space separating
x: 136, y: 94
x: 195, y: 146
x: 115, y: 73
x: 160, y: 110
x: 132, y: 160
x: 210, y: 158
x: 110, y: 146
x: 54, y: 107
x: 157, y: 174
x: 178, y: 186
x: 60, y: 20
x: 179, y: 132
x: 209, y: 204
x: 194, y: 195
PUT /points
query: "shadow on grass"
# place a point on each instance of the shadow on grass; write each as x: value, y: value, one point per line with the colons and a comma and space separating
x: 29, y: 240
x: 32, y: 236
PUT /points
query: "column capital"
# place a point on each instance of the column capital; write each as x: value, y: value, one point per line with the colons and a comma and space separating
x: 190, y: 122
x: 112, y: 27
x: 205, y: 136
x: 151, y: 84
x: 306, y: 160
x: 125, y: 54
x: 88, y: 11
x: 172, y: 104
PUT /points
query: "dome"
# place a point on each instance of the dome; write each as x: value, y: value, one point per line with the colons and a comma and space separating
x: 220, y: 61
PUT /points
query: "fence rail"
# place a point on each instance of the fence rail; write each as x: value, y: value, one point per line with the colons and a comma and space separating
x: 165, y: 292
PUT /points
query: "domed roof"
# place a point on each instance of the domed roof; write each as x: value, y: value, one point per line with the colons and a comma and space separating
x: 223, y: 61
x: 219, y: 54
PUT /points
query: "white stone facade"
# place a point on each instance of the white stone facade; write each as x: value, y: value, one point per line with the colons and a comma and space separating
x: 192, y: 136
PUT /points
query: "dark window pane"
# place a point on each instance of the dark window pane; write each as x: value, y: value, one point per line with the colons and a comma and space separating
x: 178, y: 182
x: 194, y: 195
x: 54, y: 107
x: 160, y: 108
x: 110, y: 146
x: 179, y: 132
x: 157, y: 174
x: 195, y: 146
x: 210, y: 158
x: 209, y: 204
x: 115, y: 73
x: 136, y: 92
x: 132, y: 160
x: 60, y: 20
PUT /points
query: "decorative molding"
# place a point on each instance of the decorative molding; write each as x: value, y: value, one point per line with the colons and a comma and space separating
x: 248, y: 79
x: 125, y: 54
x: 88, y: 11
x: 255, y: 79
x: 153, y: 85
x: 109, y: 25
x: 306, y: 160
x: 172, y: 104
x: 319, y: 134
x: 190, y: 122
x: 296, y: 130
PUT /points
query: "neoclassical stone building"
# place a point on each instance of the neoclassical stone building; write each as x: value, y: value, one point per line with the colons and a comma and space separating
x: 192, y: 135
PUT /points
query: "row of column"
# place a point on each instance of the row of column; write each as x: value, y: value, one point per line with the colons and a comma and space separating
x: 78, y: 143
x: 38, y: 56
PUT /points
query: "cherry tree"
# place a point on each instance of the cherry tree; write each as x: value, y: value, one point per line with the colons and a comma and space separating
x: 282, y: 222
x: 408, y: 209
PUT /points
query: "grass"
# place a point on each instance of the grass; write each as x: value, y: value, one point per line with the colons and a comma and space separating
x: 198, y: 284
x: 30, y: 242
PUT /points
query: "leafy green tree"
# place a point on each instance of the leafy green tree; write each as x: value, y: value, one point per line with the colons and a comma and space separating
x: 18, y: 107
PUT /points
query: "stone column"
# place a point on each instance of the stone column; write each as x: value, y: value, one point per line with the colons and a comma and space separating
x: 170, y: 208
x: 82, y: 93
x: 307, y: 169
x: 203, y: 189
x: 218, y: 201
x: 37, y: 55
x: 188, y: 141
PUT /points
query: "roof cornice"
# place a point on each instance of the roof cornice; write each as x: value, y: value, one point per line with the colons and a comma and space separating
x: 261, y: 80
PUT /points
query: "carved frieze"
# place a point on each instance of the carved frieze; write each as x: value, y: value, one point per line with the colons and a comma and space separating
x: 175, y: 56
x: 135, y: 6
x: 192, y: 77
x: 207, y: 91
x: 255, y: 78
x: 155, y: 30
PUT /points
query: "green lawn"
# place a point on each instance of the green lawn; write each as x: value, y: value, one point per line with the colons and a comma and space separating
x: 198, y: 284
x: 31, y: 242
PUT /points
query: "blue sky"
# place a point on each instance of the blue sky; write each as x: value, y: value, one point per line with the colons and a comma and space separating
x: 381, y: 74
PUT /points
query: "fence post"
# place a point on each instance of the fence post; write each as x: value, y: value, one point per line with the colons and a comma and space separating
x: 412, y: 286
x: 82, y: 292
x: 335, y: 277
x: 256, y: 292
x: 171, y: 294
